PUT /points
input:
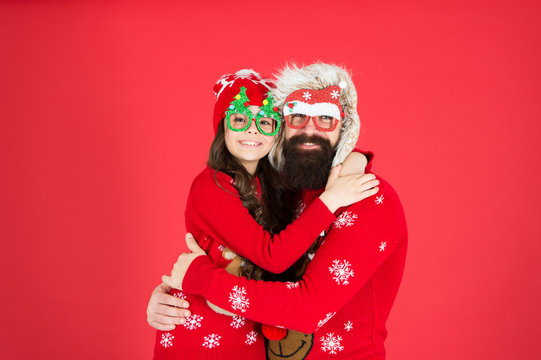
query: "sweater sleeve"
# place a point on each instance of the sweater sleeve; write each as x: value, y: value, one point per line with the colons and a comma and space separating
x: 361, y: 239
x: 218, y: 211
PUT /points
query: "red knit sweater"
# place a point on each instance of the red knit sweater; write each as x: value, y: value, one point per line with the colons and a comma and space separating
x: 347, y: 290
x: 217, y: 218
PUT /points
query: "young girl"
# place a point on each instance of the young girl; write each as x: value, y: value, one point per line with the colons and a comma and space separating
x: 238, y: 205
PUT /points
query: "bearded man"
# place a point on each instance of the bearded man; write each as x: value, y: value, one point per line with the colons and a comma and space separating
x: 347, y: 283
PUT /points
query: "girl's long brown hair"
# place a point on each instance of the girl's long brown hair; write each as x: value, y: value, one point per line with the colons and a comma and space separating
x: 276, y: 208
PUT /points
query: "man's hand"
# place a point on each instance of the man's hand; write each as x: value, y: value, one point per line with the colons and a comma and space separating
x: 183, y: 263
x: 355, y: 163
x: 165, y: 311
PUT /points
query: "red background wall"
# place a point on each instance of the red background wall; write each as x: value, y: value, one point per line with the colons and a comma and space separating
x: 106, y: 117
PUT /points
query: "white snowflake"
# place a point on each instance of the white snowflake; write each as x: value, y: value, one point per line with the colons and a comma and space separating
x: 335, y: 94
x: 327, y: 318
x: 341, y: 271
x: 224, y: 84
x: 382, y: 246
x: 347, y: 218
x: 212, y: 341
x: 348, y: 326
x: 193, y: 322
x: 238, y: 299
x: 220, y: 248
x: 306, y: 95
x: 238, y: 322
x: 251, y: 338
x: 379, y: 199
x: 331, y: 343
x: 167, y: 340
x: 180, y: 295
x: 292, y: 285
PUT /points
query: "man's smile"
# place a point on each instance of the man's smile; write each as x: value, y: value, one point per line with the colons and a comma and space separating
x: 309, y: 146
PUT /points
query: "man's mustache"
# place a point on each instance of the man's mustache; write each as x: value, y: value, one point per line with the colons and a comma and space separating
x: 303, y: 138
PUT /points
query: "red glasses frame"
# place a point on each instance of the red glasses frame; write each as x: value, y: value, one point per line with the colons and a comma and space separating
x: 313, y: 120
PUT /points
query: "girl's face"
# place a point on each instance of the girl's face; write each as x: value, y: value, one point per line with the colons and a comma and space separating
x: 248, y: 146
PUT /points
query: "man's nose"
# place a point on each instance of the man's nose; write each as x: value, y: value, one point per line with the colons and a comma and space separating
x: 310, y: 128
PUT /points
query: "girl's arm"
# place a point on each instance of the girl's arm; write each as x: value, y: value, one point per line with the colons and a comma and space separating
x: 362, y: 238
x: 218, y: 211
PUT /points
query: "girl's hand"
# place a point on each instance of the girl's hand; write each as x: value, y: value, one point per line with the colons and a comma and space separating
x: 346, y: 190
x: 183, y: 263
x: 355, y: 163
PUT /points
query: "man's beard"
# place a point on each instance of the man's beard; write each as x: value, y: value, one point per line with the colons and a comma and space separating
x: 307, y: 169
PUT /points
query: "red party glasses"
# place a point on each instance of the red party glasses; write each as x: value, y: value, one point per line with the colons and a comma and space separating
x: 321, y: 122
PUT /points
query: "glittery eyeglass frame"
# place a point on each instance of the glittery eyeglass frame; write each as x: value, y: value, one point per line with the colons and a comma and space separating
x: 241, y: 104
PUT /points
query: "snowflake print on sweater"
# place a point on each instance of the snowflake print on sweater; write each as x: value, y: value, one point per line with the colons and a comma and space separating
x: 341, y: 271
x: 382, y: 246
x: 292, y: 285
x: 331, y: 343
x: 167, y: 340
x: 238, y: 322
x: 379, y: 200
x: 251, y: 338
x: 193, y: 322
x: 361, y: 309
x: 212, y: 341
x: 346, y: 219
x: 324, y: 321
x: 238, y: 299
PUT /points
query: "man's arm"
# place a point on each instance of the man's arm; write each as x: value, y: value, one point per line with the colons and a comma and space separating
x: 363, y: 237
x: 165, y: 311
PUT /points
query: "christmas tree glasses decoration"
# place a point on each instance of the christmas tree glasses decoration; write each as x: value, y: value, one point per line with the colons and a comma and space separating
x: 267, y: 119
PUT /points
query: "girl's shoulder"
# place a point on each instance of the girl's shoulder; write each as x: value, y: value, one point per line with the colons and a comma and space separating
x: 210, y: 179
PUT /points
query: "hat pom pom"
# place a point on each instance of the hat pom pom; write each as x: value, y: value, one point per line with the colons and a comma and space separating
x: 342, y: 84
x: 247, y: 72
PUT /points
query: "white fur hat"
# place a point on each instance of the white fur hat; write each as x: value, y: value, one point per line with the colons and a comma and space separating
x: 319, y: 76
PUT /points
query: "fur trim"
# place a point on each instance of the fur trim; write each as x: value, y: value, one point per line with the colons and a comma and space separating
x: 316, y: 77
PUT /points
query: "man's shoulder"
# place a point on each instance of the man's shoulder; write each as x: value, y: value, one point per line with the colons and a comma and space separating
x: 386, y: 198
x: 379, y: 213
